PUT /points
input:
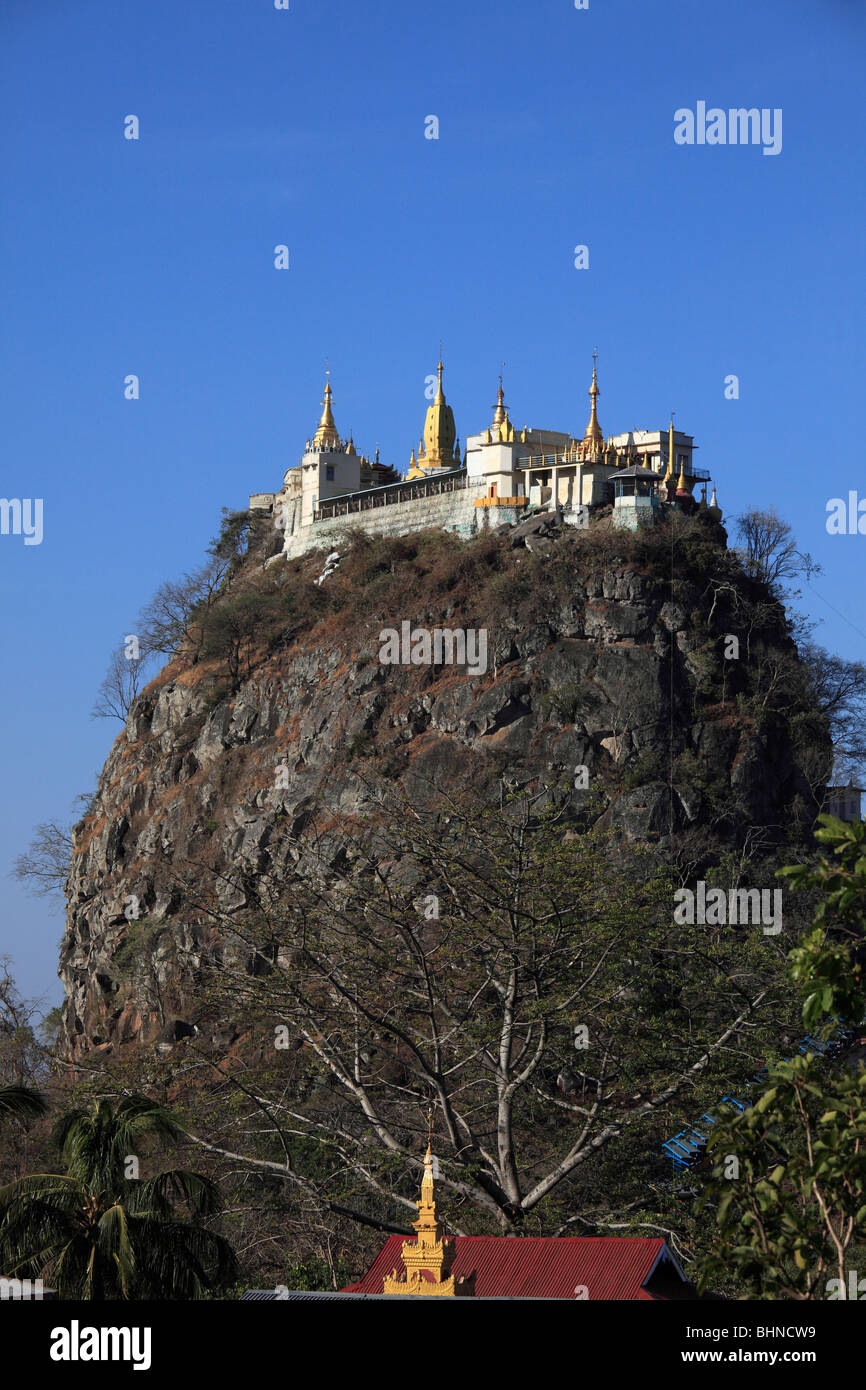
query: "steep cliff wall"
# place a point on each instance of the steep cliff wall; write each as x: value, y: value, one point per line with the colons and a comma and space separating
x: 605, y: 651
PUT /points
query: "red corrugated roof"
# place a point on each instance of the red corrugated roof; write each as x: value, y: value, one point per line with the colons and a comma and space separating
x: 609, y: 1267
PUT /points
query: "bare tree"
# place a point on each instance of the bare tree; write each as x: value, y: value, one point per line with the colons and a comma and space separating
x: 45, y: 864
x: 22, y: 1056
x: 839, y: 690
x: 459, y: 964
x: 769, y: 551
x: 171, y: 617
x: 121, y: 686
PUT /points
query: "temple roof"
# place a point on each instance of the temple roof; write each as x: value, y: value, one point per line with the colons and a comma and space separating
x: 636, y: 471
x: 608, y: 1267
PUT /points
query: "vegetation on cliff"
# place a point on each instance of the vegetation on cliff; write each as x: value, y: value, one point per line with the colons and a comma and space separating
x: 316, y: 896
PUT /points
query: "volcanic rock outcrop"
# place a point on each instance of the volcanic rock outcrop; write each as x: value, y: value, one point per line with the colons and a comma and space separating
x: 599, y: 656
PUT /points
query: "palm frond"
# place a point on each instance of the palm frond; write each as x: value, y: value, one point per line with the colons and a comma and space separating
x: 21, y: 1102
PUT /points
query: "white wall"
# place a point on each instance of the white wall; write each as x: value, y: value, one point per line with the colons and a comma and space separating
x: 315, y: 485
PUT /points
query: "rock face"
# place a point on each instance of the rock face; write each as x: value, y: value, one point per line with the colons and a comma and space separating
x: 620, y: 676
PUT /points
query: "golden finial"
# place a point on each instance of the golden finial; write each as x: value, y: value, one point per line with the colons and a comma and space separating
x: 669, y: 471
x: 427, y: 1205
x: 326, y: 435
x: 593, y: 434
x: 682, y: 486
x: 501, y: 410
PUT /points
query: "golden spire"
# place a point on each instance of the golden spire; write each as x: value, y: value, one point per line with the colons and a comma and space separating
x: 671, y: 459
x: 683, y: 489
x: 428, y: 1259
x: 326, y: 436
x: 502, y: 427
x: 440, y: 433
x: 500, y: 415
x: 427, y: 1221
x: 593, y: 434
x: 667, y: 483
x: 440, y: 394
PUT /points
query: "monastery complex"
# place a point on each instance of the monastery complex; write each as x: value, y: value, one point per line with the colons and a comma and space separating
x: 502, y: 473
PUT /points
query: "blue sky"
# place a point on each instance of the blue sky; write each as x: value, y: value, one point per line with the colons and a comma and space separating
x: 306, y: 128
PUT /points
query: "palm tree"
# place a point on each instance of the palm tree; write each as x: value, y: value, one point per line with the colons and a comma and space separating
x: 95, y: 1232
x: 21, y: 1102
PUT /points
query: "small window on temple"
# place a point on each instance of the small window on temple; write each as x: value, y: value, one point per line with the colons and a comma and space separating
x: 329, y: 472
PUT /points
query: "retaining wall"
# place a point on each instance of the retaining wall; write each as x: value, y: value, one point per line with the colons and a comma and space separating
x: 453, y: 511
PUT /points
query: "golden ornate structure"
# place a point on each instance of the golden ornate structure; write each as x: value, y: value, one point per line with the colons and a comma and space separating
x: 439, y: 446
x: 668, y: 485
x: 326, y: 436
x: 676, y: 487
x: 593, y: 435
x: 429, y: 1257
x: 502, y: 428
x: 514, y: 468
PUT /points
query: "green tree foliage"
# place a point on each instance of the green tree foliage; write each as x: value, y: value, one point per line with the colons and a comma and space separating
x: 789, y: 1182
x: 231, y: 543
x: 21, y: 1103
x: 93, y: 1232
x: 233, y: 628
x: 828, y: 962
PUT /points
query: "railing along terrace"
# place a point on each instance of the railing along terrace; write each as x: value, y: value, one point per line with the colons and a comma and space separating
x: 542, y: 461
x: 560, y: 460
x: 369, y: 498
x: 557, y: 460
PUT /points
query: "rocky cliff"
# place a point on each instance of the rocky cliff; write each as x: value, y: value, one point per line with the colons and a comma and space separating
x: 606, y: 651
